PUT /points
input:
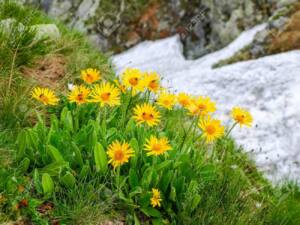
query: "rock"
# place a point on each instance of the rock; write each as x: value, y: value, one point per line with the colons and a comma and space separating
x: 50, y: 31
x: 268, y: 87
x: 7, y: 24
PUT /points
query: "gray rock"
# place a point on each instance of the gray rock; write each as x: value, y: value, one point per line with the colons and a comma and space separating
x: 50, y: 31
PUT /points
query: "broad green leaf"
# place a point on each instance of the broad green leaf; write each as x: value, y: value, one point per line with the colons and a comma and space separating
x: 151, y: 212
x: 68, y: 180
x: 195, y: 202
x: 36, y: 181
x: 47, y: 184
x: 77, y: 155
x: 100, y: 158
x: 85, y: 171
x: 54, y: 154
x: 24, y: 165
x: 147, y: 177
x: 133, y: 178
x: 55, y: 168
x: 173, y: 194
x: 135, y: 146
x: 163, y: 165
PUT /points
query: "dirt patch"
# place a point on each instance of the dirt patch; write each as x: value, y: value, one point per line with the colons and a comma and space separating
x: 48, y: 71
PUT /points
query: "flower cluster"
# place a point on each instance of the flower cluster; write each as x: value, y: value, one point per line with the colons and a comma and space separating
x: 149, y: 113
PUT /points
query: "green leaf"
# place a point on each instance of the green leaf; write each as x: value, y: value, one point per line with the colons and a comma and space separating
x: 166, y: 179
x: 37, y: 182
x: 147, y: 177
x: 24, y: 165
x: 133, y: 178
x: 77, y: 155
x: 55, y: 154
x: 68, y: 180
x: 173, y: 194
x: 151, y: 212
x: 100, y: 158
x: 54, y: 169
x: 47, y: 184
x: 195, y: 202
x: 163, y: 165
x: 85, y: 171
x: 21, y: 144
x: 135, y: 146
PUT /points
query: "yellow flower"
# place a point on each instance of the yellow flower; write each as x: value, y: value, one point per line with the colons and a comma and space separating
x: 242, y: 116
x: 105, y: 94
x: 152, y: 81
x: 119, y: 153
x: 132, y: 79
x: 156, y: 146
x: 184, y: 100
x: 44, y: 95
x: 166, y: 100
x: 120, y: 86
x: 90, y: 75
x: 146, y: 113
x: 155, y: 200
x: 211, y: 128
x: 202, y: 106
x: 79, y: 95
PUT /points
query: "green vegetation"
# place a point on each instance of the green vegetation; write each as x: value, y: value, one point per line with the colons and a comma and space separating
x: 53, y: 162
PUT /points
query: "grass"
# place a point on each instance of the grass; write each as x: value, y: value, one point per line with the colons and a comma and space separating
x: 199, y: 183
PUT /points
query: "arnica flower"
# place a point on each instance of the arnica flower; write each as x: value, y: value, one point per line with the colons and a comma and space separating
x: 202, y: 106
x: 152, y: 82
x: 156, y: 199
x: 105, y: 94
x: 79, y: 95
x: 90, y: 75
x: 242, y: 116
x: 44, y: 95
x: 184, y: 100
x: 120, y: 86
x: 157, y: 146
x: 211, y: 129
x: 132, y: 79
x: 166, y: 100
x: 119, y: 153
x: 146, y: 113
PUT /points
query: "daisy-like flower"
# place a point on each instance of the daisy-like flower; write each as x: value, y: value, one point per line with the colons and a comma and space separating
x: 184, y: 100
x: 146, y: 113
x: 132, y: 79
x: 90, y: 75
x: 44, y: 95
x: 156, y: 199
x: 152, y: 81
x: 202, y: 106
x: 157, y: 146
x: 242, y: 116
x: 166, y: 100
x: 79, y: 95
x: 105, y: 94
x: 119, y: 153
x: 120, y: 86
x: 212, y: 129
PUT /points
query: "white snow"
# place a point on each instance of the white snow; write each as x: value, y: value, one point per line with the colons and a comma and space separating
x: 268, y: 87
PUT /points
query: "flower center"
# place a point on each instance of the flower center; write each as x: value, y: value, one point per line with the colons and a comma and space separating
x: 89, y: 78
x: 147, y: 116
x: 166, y: 102
x: 210, y: 129
x: 133, y: 81
x: 80, y: 97
x: 201, y: 107
x: 44, y: 98
x: 156, y: 147
x: 184, y: 102
x: 240, y: 118
x: 105, y: 96
x: 119, y: 155
x: 153, y: 84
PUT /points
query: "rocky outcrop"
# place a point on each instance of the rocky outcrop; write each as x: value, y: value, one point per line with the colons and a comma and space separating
x: 205, y: 25
x: 268, y: 87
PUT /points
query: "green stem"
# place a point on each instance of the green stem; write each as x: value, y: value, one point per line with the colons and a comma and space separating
x: 229, y: 131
